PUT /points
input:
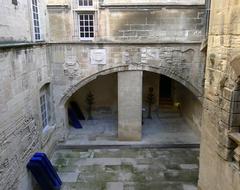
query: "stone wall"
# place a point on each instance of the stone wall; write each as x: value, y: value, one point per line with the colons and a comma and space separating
x: 190, y: 105
x: 105, y: 92
x: 218, y: 168
x: 155, y: 25
x: 16, y: 21
x: 122, y: 44
x: 164, y: 2
x: 133, y: 24
x: 73, y: 65
x: 24, y: 71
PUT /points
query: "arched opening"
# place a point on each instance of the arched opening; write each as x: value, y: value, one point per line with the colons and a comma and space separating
x: 95, y: 106
x: 175, y: 111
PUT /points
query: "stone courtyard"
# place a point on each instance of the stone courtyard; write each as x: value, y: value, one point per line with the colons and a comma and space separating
x: 64, y: 61
x: 92, y: 158
x: 165, y: 127
x: 128, y: 169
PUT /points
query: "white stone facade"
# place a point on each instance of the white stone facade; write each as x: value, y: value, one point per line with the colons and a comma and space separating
x: 135, y: 39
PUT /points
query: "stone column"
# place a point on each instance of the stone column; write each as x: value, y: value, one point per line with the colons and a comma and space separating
x: 130, y: 105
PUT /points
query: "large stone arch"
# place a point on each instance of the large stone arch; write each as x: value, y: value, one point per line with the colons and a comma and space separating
x: 134, y: 67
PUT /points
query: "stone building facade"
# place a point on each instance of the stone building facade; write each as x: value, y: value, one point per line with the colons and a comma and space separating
x: 24, y: 71
x: 49, y: 50
x: 219, y: 160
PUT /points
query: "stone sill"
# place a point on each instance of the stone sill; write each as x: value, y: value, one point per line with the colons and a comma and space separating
x: 20, y: 44
x: 31, y: 44
x: 86, y: 9
x: 58, y: 6
x: 126, y: 43
x: 235, y: 137
x: 152, y: 6
x: 47, y: 133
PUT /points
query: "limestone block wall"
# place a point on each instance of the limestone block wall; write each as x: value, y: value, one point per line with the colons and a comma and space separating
x: 218, y: 168
x: 156, y: 25
x: 75, y: 63
x: 16, y: 21
x: 105, y: 93
x: 24, y: 70
x: 119, y: 21
x: 190, y: 105
x: 145, y: 2
x: 61, y: 21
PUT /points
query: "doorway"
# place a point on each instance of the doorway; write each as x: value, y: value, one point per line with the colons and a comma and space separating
x: 165, y: 87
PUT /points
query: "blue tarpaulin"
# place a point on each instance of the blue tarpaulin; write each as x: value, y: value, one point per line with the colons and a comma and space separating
x: 44, y: 172
x: 74, y: 119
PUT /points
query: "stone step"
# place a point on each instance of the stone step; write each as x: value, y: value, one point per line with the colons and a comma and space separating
x: 127, y: 145
x: 186, y: 175
x: 160, y: 185
x: 169, y: 115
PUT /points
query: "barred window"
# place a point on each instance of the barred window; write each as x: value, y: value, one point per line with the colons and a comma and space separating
x: 86, y: 26
x: 36, y: 23
x: 85, y: 3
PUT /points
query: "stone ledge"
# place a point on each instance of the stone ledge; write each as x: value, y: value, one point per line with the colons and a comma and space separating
x: 125, y: 43
x: 236, y: 153
x: 235, y: 137
x: 5, y: 45
x: 20, y: 44
x: 58, y: 6
x: 152, y: 6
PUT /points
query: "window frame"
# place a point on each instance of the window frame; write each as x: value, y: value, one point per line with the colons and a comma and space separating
x: 37, y: 36
x: 89, y: 26
x: 44, y: 108
x: 85, y: 5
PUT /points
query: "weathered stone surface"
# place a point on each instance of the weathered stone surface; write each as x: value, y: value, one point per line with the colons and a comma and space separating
x: 68, y: 177
x: 15, y: 21
x: 130, y: 105
x: 180, y: 62
x: 130, y: 175
x: 66, y: 67
x: 221, y: 99
x: 114, y: 186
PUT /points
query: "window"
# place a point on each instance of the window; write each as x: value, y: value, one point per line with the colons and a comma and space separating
x: 36, y: 23
x: 86, y: 26
x: 15, y: 2
x: 44, y: 109
x: 85, y: 3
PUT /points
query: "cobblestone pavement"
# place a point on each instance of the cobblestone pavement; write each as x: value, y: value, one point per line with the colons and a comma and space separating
x: 127, y: 169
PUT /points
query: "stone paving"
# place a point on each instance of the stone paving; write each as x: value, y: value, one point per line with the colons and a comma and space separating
x: 165, y: 128
x: 123, y: 168
x: 127, y: 169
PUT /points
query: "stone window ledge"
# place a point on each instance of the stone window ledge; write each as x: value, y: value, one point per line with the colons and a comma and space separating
x: 47, y: 133
x: 235, y: 137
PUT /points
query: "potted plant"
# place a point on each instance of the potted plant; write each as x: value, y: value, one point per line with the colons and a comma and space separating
x: 89, y: 102
x: 150, y: 101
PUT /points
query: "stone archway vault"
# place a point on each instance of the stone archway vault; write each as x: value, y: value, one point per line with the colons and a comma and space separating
x: 163, y: 71
x: 129, y: 95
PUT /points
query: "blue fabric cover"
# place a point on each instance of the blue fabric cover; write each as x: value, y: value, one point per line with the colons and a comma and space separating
x: 44, y: 173
x: 74, y: 119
